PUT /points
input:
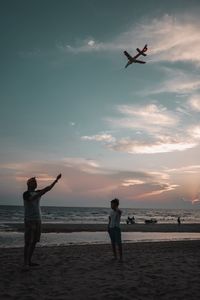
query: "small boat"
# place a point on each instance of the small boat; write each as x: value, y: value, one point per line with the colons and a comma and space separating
x: 150, y: 221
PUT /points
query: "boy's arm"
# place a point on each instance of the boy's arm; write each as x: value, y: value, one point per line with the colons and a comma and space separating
x: 109, y: 219
x: 48, y: 188
x: 119, y: 212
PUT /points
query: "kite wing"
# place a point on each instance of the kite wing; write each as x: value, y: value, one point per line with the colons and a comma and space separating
x: 127, y: 55
x: 140, y: 61
x: 145, y: 48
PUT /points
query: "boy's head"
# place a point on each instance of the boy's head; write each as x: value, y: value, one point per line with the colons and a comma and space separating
x: 114, y: 203
x: 32, y: 184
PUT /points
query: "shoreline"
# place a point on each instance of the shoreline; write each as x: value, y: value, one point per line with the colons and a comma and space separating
x: 67, y: 228
x: 158, y: 270
x: 126, y: 246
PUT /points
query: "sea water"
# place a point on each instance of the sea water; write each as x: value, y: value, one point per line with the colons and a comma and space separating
x: 98, y: 215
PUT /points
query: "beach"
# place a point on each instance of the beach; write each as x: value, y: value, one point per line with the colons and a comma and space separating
x: 159, y: 270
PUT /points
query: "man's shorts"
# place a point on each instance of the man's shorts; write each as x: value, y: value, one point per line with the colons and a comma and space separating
x: 115, y: 235
x: 32, y: 231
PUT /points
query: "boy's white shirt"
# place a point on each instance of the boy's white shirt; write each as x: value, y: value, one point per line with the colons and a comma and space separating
x: 115, y: 217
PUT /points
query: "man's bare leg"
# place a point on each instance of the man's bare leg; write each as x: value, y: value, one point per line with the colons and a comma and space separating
x: 26, y: 257
x: 26, y: 254
x: 114, y: 250
x: 120, y: 252
x: 30, y: 254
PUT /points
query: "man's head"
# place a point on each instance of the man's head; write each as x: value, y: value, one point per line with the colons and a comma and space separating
x: 114, y: 203
x: 32, y: 184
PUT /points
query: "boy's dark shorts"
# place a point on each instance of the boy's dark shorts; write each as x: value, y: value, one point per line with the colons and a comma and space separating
x: 115, y: 235
x: 32, y: 231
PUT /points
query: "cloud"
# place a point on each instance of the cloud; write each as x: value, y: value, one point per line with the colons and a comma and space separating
x: 162, y: 145
x: 194, y: 102
x: 160, y: 130
x: 148, y: 117
x: 159, y: 189
x: 195, y: 201
x: 85, y: 46
x: 86, y: 179
x: 104, y: 137
x: 91, y: 43
x: 170, y: 39
x: 191, y: 169
x: 86, y: 165
x: 42, y: 177
x: 132, y: 182
x: 176, y: 81
x: 152, y: 184
x: 174, y: 38
x: 194, y: 131
x: 138, y: 184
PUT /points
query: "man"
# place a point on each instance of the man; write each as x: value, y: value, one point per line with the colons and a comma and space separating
x: 32, y: 218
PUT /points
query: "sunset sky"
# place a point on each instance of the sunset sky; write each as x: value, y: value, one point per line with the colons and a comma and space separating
x: 68, y: 104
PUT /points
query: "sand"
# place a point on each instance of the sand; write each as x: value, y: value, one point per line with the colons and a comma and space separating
x: 53, y: 227
x: 159, y: 270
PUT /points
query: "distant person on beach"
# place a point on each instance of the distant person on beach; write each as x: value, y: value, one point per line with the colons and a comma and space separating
x: 179, y: 221
x: 114, y: 228
x: 130, y: 220
x: 32, y: 218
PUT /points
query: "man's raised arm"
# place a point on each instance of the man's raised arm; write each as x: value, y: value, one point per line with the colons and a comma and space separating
x: 48, y: 188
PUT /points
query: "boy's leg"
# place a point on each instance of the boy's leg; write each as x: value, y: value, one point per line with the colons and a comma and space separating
x: 120, y: 252
x: 119, y: 243
x: 113, y: 242
x: 114, y: 250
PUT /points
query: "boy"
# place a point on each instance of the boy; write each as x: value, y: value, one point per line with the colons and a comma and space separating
x: 114, y: 228
x: 32, y: 218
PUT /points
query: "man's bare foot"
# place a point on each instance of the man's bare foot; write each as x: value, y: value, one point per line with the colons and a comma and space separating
x: 114, y: 258
x: 25, y: 268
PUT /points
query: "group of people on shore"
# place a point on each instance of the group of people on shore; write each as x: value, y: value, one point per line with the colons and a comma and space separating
x: 32, y: 222
x: 130, y: 220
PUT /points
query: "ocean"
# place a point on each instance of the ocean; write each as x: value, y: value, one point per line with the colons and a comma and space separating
x: 98, y: 215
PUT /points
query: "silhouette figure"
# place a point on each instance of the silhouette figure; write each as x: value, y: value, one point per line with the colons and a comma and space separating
x: 32, y: 218
x: 179, y: 220
x: 114, y: 228
x: 130, y: 220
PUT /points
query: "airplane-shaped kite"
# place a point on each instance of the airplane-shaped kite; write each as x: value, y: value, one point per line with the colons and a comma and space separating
x: 133, y: 59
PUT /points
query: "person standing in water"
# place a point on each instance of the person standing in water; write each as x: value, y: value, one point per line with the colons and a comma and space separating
x: 32, y: 218
x: 114, y: 229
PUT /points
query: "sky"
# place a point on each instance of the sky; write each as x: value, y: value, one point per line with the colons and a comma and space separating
x: 68, y: 104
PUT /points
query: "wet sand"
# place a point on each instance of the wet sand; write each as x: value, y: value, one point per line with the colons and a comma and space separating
x: 60, y: 227
x: 159, y: 270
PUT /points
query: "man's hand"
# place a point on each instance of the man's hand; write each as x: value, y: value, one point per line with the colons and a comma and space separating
x: 59, y: 176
